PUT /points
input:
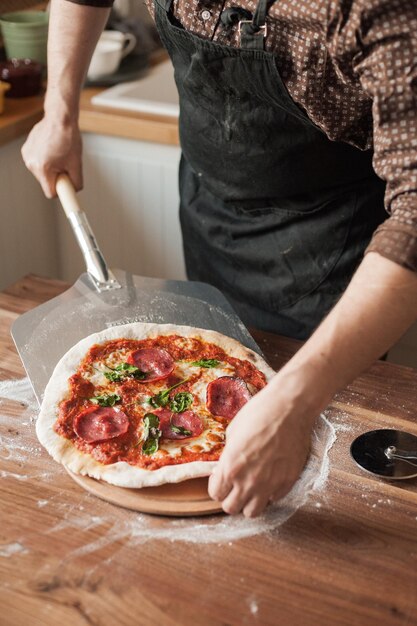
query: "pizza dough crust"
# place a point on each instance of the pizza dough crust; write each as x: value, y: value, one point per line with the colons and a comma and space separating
x: 121, y: 473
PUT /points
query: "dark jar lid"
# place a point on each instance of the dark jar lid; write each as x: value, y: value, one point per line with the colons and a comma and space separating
x: 23, y: 75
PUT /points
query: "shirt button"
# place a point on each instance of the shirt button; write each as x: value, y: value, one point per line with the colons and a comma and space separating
x: 205, y: 15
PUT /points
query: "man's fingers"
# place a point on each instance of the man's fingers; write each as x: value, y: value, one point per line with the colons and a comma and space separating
x: 77, y: 180
x: 255, y: 506
x: 234, y: 502
x: 45, y: 177
x: 47, y: 183
x: 218, y: 486
x: 75, y: 174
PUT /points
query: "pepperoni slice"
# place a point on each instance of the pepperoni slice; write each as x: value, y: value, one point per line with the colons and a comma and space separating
x: 100, y: 423
x: 187, y: 420
x: 157, y: 363
x: 226, y: 395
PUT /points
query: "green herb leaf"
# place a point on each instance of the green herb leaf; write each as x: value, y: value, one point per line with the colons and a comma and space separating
x: 180, y: 430
x: 181, y: 401
x: 150, y: 446
x: 114, y: 377
x: 123, y: 371
x: 150, y: 423
x: 206, y: 363
x: 106, y: 399
x: 151, y: 433
x: 161, y: 399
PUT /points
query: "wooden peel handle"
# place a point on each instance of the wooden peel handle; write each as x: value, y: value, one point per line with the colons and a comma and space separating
x: 67, y: 195
x: 97, y: 268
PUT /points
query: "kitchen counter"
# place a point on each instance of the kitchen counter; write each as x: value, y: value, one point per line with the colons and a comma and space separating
x: 128, y: 124
x: 22, y: 113
x: 19, y: 116
x: 347, y: 556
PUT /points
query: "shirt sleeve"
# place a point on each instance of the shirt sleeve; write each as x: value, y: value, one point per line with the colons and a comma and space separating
x: 94, y: 3
x: 375, y: 42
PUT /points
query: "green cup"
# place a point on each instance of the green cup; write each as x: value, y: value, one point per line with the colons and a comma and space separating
x: 25, y: 34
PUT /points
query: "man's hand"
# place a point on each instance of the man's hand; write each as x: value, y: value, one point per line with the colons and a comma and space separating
x: 267, y: 446
x: 52, y: 148
x: 268, y: 441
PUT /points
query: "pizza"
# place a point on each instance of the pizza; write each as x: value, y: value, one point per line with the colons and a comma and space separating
x: 146, y: 404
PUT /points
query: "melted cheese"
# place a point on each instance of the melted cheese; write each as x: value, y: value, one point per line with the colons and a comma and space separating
x: 95, y: 374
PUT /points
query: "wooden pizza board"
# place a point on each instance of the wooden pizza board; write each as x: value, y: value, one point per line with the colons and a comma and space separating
x: 184, y: 499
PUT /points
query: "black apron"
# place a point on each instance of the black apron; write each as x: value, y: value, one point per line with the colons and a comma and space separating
x: 273, y: 213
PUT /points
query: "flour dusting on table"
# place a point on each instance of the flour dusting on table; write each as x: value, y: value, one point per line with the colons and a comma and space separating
x: 99, y: 524
x: 19, y: 390
x: 8, y: 550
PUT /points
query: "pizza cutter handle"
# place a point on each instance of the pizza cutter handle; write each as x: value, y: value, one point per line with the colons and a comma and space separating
x: 97, y: 268
x: 404, y: 455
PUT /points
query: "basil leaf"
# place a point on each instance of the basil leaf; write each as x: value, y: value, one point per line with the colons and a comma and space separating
x: 150, y: 421
x: 114, y: 377
x: 180, y: 430
x: 129, y: 369
x: 181, y: 401
x: 150, y: 446
x: 161, y: 399
x: 151, y: 433
x: 206, y: 363
x: 106, y: 399
x: 123, y: 371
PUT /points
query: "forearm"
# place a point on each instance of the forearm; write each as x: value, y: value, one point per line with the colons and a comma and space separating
x: 73, y: 33
x: 379, y: 305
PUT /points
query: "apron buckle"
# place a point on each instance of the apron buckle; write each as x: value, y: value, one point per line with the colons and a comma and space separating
x: 256, y: 30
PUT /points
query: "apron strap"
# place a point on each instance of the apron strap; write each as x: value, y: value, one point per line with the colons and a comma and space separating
x: 253, y: 32
x: 233, y: 15
x: 167, y: 5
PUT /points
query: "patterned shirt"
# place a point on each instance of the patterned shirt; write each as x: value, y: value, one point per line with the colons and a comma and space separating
x: 351, y: 65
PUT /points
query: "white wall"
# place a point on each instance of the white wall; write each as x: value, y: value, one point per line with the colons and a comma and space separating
x: 28, y: 226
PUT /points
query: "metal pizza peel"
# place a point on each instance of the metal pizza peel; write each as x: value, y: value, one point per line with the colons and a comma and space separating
x: 102, y: 298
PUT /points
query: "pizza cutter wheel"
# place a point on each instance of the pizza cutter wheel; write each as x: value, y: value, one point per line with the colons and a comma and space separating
x: 185, y: 499
x: 387, y: 453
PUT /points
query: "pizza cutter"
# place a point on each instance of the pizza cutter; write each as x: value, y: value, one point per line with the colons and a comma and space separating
x: 388, y: 453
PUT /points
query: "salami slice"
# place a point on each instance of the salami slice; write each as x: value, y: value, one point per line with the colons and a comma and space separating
x: 226, y: 395
x: 157, y: 363
x: 97, y: 423
x: 185, y: 421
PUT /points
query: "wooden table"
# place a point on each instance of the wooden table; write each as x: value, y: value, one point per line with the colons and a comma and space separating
x: 348, y: 556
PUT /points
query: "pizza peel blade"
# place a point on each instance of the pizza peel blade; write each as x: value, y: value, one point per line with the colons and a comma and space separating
x: 101, y: 298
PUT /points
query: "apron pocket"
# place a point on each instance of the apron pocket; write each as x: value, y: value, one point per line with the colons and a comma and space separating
x: 270, y: 257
